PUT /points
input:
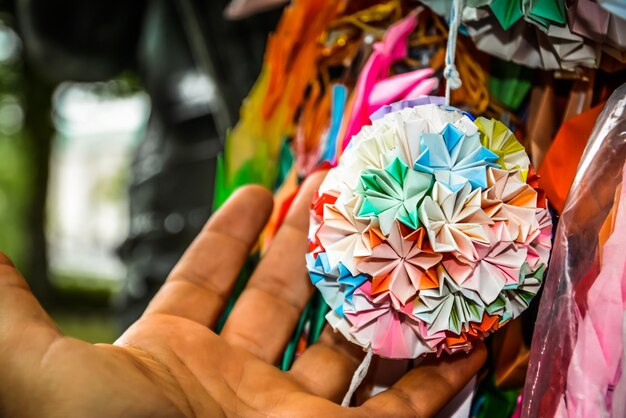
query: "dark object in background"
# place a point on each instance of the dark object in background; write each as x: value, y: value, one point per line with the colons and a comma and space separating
x: 80, y: 40
x: 196, y: 67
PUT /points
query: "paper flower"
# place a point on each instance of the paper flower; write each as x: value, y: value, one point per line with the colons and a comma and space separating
x: 516, y: 297
x: 321, y: 200
x: 371, y: 149
x: 393, y: 193
x: 493, y: 266
x: 401, y: 266
x: 343, y: 236
x: 497, y: 138
x: 550, y: 48
x: 335, y: 284
x: 454, y: 158
x: 454, y: 220
x: 317, y: 215
x: 428, y: 234
x: 539, y: 243
x: 475, y: 330
x: 395, y: 132
x: 510, y: 200
x: 390, y: 332
x: 448, y: 307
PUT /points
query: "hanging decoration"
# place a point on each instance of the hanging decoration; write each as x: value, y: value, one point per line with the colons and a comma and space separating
x: 428, y: 235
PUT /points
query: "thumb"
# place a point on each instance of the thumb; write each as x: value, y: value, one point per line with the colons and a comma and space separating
x: 18, y: 306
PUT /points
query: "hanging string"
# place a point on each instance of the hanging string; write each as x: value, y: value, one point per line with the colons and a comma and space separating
x: 358, y: 377
x: 453, y: 82
x: 450, y: 73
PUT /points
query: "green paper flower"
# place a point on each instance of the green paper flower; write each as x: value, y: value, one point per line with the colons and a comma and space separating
x: 515, y: 298
x: 393, y: 193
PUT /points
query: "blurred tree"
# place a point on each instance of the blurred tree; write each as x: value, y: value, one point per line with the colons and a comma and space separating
x: 14, y: 163
x: 26, y: 131
x: 38, y: 131
x: 197, y: 68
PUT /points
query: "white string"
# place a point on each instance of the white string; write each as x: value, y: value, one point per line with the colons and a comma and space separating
x: 453, y: 82
x: 450, y: 73
x: 358, y: 377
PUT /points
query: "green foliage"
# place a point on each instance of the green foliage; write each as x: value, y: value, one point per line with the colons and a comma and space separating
x: 15, y: 170
x: 14, y: 196
x: 90, y: 326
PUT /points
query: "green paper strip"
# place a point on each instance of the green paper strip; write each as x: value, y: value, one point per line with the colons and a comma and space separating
x: 290, y: 351
x: 508, y: 12
x: 240, y: 284
x: 510, y: 83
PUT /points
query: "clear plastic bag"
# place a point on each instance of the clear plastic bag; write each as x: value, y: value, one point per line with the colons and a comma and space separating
x: 567, y: 375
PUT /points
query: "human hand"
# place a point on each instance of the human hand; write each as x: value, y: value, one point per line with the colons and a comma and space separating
x: 170, y: 363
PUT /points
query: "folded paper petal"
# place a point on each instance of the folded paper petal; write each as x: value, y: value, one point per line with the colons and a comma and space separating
x: 510, y: 200
x: 317, y: 215
x: 342, y: 234
x: 455, y: 158
x: 498, y: 138
x: 401, y: 266
x: 539, y: 243
x: 449, y: 307
x: 515, y: 298
x: 463, y: 341
x: 393, y: 193
x: 493, y: 266
x: 454, y: 220
x: 336, y: 284
x: 391, y: 333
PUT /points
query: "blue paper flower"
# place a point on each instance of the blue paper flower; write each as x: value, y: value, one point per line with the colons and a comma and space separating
x: 337, y: 284
x: 454, y: 158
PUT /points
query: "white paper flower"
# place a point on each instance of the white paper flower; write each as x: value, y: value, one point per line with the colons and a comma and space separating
x: 448, y: 307
x: 343, y: 235
x: 454, y: 220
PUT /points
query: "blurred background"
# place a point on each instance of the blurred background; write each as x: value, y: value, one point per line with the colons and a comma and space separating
x: 112, y: 114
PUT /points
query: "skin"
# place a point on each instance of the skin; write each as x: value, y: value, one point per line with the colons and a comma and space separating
x: 170, y: 363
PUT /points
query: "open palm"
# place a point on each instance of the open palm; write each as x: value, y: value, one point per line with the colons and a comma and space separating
x: 170, y: 363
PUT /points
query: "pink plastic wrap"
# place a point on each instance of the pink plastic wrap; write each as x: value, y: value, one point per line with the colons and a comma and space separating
x: 575, y: 367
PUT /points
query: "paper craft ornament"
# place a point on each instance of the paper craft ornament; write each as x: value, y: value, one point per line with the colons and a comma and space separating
x: 427, y: 234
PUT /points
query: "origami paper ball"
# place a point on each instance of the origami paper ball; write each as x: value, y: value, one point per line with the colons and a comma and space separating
x: 429, y: 233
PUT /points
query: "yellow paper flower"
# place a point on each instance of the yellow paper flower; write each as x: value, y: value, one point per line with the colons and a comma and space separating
x: 499, y: 139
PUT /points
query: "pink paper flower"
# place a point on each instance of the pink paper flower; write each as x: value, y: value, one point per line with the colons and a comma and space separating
x: 400, y: 265
x: 510, y: 200
x: 493, y: 266
x: 392, y: 333
x: 539, y: 243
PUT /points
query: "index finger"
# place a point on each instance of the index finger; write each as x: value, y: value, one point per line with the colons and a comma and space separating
x: 279, y: 288
x: 199, y: 286
x: 18, y: 306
